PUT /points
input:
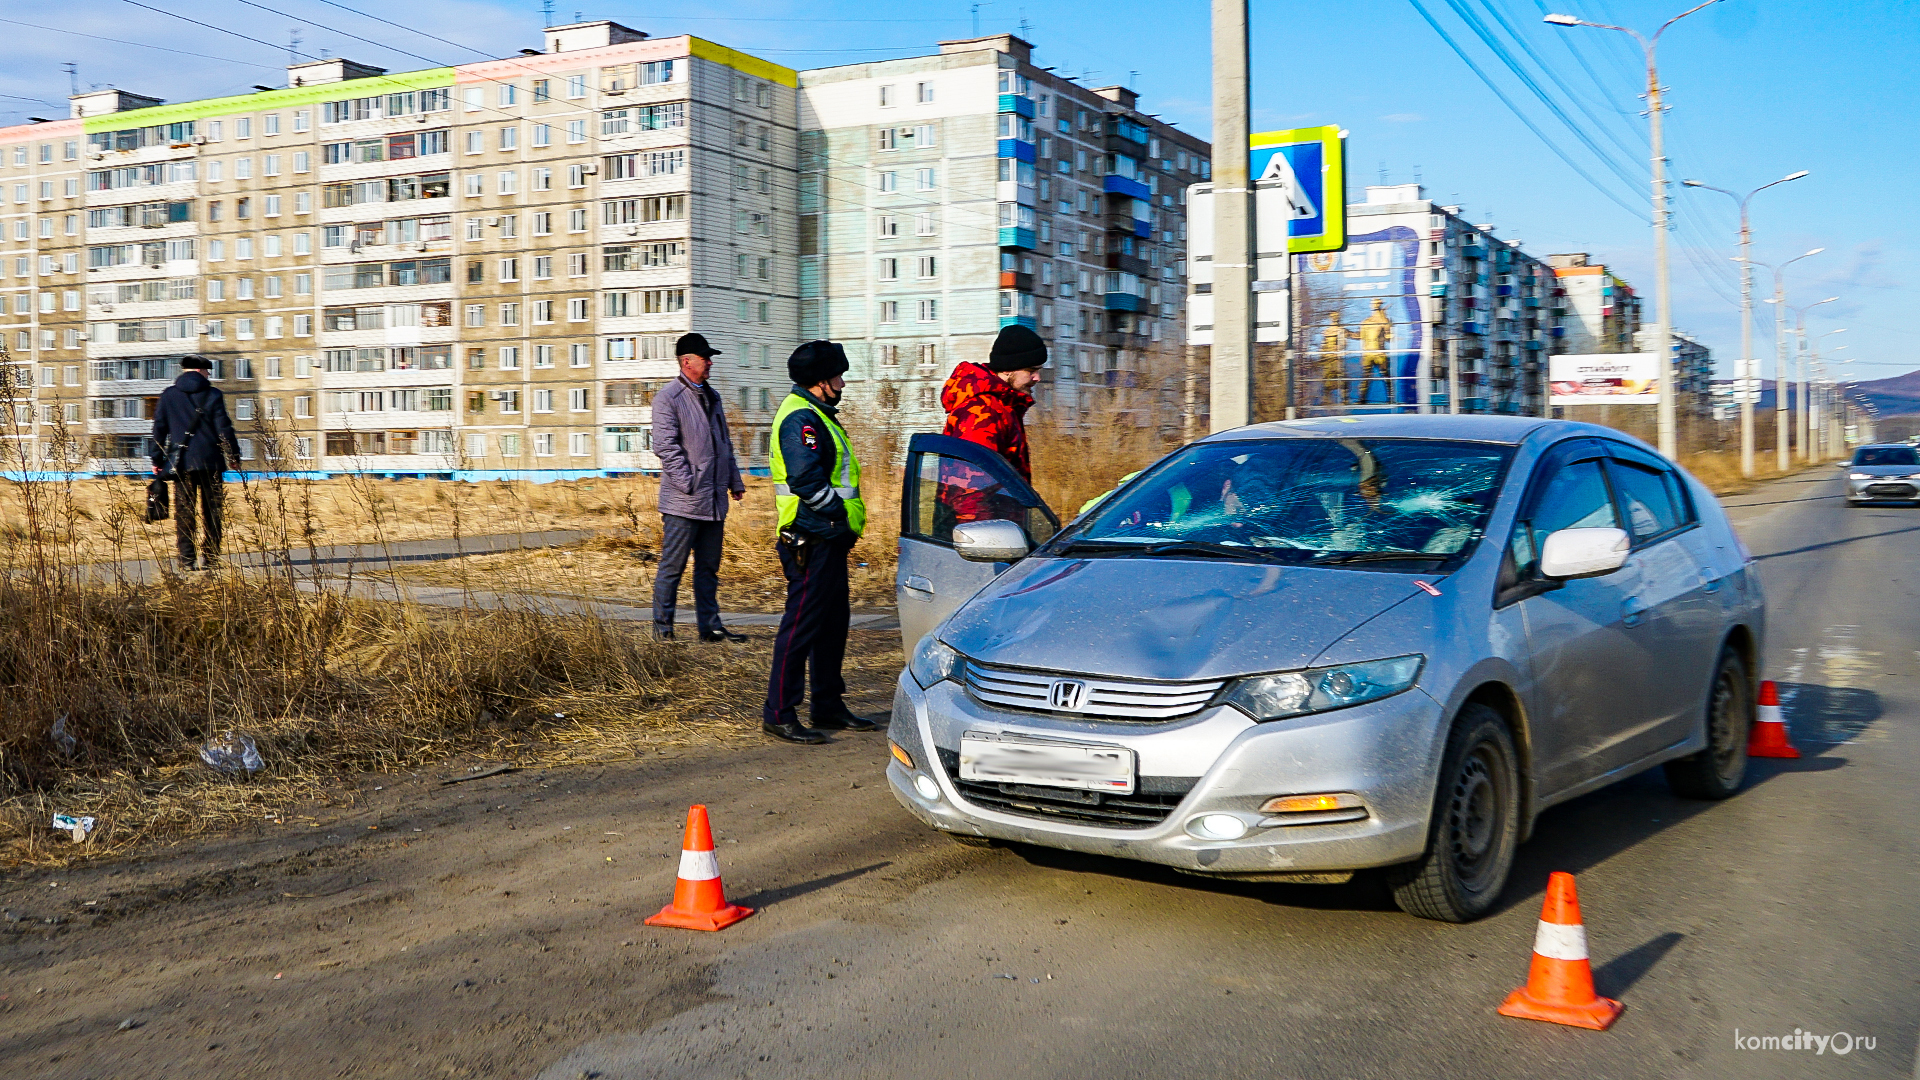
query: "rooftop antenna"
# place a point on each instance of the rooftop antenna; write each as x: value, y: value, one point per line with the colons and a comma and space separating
x: 1025, y: 27
x: 1416, y: 175
x: 293, y: 45
x: 73, y: 77
x: 1132, y: 78
x: 546, y: 11
x: 1383, y: 174
x: 976, y: 17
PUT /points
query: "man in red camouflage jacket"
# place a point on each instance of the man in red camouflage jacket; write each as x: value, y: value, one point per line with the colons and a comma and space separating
x: 988, y: 405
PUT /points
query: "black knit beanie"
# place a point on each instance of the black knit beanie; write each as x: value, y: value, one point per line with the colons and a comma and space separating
x: 1016, y: 349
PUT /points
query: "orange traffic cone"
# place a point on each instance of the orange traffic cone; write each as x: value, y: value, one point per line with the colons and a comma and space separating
x: 1769, y: 735
x: 699, y: 901
x: 1559, y: 986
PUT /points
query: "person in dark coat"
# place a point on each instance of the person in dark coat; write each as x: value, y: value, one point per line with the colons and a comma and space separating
x: 192, y: 441
x: 698, y: 473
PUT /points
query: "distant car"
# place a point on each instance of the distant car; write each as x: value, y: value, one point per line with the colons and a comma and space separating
x: 1886, y: 473
x: 1297, y: 650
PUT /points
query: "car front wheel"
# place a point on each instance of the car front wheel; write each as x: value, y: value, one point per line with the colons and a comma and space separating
x: 1716, y: 771
x: 1476, y: 825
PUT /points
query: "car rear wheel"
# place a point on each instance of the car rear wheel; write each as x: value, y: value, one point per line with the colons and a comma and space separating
x: 1476, y: 825
x: 1716, y: 771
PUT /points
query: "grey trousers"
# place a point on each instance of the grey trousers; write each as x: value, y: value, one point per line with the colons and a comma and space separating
x: 704, y: 539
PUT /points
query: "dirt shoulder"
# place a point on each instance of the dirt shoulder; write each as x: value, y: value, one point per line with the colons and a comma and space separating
x: 474, y: 929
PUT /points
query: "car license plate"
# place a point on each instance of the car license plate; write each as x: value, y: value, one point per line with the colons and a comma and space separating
x: 1003, y: 759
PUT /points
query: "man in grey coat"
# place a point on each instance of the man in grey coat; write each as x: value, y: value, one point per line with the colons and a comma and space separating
x: 697, y: 474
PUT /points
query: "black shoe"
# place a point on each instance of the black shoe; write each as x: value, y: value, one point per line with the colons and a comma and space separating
x: 843, y: 720
x: 663, y: 635
x: 722, y: 634
x: 793, y: 733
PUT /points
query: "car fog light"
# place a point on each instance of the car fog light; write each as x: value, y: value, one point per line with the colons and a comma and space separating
x: 924, y: 784
x: 1217, y: 827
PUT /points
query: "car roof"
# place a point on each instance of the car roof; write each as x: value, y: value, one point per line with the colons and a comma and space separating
x: 1884, y: 446
x: 1511, y: 430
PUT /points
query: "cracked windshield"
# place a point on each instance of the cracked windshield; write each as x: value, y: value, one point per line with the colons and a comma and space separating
x: 1306, y: 500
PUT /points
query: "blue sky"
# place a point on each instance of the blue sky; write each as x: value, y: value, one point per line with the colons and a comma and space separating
x: 1757, y: 90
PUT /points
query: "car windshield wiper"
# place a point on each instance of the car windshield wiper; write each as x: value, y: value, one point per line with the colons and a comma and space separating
x: 1207, y: 547
x: 1342, y: 557
x: 1099, y: 546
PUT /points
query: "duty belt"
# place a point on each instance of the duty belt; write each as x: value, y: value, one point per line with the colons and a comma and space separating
x: 845, y: 493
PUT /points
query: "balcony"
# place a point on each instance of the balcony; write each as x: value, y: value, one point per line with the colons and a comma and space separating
x: 1530, y: 302
x: 1503, y: 290
x: 1120, y: 301
x: 1027, y: 321
x: 1014, y: 148
x: 1132, y: 264
x: 1012, y: 236
x: 1017, y: 103
x: 1536, y: 345
x: 1120, y: 185
x: 1470, y: 328
x: 1017, y: 281
x: 1558, y: 332
x: 1437, y: 289
x: 1469, y: 303
x: 1469, y: 251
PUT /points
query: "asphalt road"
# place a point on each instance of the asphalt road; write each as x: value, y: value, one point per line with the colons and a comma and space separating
x: 492, y: 928
x: 1791, y: 906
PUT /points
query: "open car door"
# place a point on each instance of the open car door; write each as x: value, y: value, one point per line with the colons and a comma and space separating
x: 953, y: 482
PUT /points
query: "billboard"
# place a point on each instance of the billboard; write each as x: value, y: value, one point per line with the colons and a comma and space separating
x: 1604, y: 378
x: 1361, y: 333
x: 1312, y: 163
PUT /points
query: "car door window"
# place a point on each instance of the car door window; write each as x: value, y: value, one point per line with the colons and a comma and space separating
x: 945, y: 491
x: 1647, y: 500
x: 1574, y: 497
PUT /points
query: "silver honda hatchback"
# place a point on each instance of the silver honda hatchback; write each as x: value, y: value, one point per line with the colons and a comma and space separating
x: 1298, y: 650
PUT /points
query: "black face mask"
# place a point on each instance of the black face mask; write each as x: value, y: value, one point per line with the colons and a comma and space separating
x: 833, y: 397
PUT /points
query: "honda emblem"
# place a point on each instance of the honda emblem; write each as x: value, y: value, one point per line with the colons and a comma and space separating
x: 1067, y: 694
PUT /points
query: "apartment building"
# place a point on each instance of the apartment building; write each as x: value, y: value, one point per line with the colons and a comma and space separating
x: 475, y: 271
x: 1603, y: 311
x: 944, y: 196
x: 1420, y: 302
x: 42, y: 279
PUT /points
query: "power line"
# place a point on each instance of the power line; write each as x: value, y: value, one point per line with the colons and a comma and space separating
x: 141, y: 44
x: 1515, y: 110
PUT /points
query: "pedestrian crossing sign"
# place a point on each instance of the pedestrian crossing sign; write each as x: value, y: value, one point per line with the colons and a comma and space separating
x: 1312, y: 163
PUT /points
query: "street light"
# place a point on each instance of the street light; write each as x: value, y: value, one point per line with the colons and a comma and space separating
x: 1802, y: 402
x: 1749, y: 378
x: 1781, y: 429
x: 1820, y: 415
x: 1663, y: 326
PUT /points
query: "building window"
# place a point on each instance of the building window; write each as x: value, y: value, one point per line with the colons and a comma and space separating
x: 889, y: 311
x: 889, y: 269
x: 929, y: 311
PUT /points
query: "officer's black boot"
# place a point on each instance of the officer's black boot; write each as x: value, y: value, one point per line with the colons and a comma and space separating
x: 843, y: 719
x: 793, y: 732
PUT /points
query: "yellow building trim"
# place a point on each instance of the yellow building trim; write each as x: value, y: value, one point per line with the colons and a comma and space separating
x: 741, y: 62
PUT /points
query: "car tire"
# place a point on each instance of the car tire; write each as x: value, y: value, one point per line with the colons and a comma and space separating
x: 1475, y: 826
x: 1717, y: 770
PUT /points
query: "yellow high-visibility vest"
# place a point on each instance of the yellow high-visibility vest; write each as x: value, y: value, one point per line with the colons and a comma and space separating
x: 844, y: 476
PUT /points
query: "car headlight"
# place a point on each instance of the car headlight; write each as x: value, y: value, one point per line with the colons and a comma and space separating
x: 1296, y: 693
x: 1859, y: 476
x: 933, y: 662
x: 1913, y: 476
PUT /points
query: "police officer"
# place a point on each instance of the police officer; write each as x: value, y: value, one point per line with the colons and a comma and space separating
x: 817, y: 492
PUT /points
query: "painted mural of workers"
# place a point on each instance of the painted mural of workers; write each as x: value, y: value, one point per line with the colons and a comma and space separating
x: 1333, y: 360
x: 1376, y: 334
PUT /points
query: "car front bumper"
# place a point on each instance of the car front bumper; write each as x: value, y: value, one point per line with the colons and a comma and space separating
x: 1883, y: 489
x: 1387, y: 752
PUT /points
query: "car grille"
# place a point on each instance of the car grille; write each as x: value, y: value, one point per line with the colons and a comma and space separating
x: 1112, y: 699
x: 1154, y: 798
x: 1891, y: 491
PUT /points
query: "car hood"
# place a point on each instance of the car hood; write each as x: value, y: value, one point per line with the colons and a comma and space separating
x: 1166, y: 618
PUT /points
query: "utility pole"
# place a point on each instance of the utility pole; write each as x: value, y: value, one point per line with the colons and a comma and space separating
x: 1749, y: 368
x: 73, y: 78
x: 1663, y: 294
x: 1782, y: 429
x: 1231, y: 389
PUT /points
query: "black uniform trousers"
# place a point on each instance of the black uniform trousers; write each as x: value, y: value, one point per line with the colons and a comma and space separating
x: 197, y: 493
x: 813, y: 631
x: 705, y: 539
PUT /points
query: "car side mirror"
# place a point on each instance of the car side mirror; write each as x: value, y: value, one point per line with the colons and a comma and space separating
x: 1581, y: 553
x: 990, y: 541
